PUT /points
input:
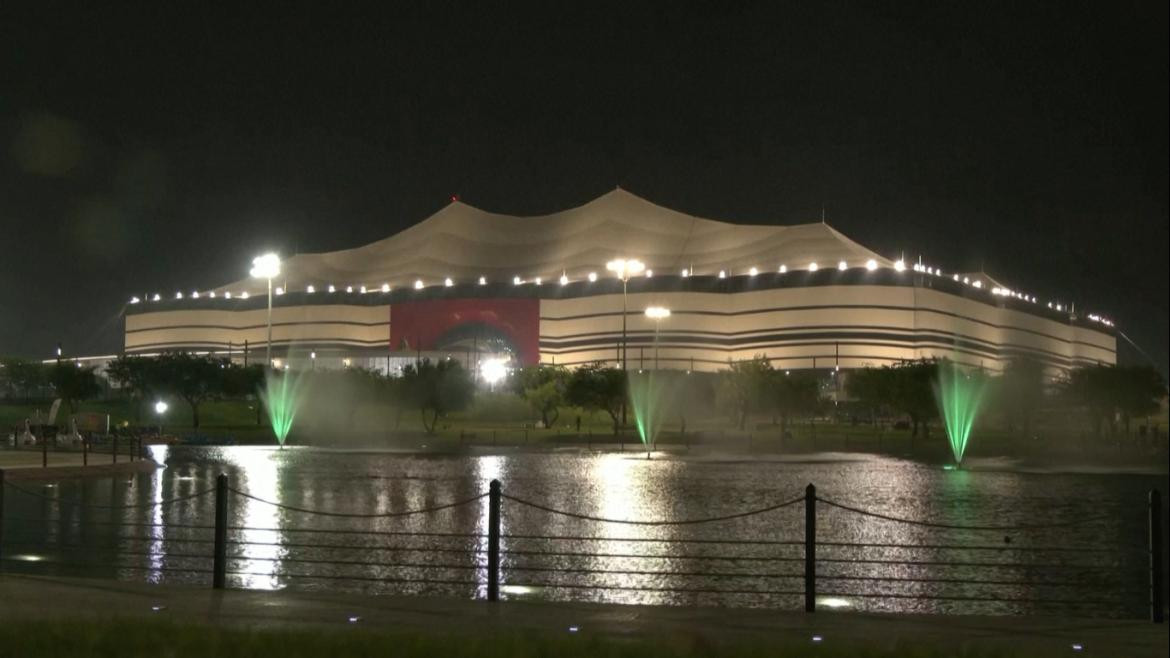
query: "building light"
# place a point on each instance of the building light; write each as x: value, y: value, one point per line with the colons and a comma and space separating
x: 978, y: 284
x: 871, y: 265
x: 385, y: 287
x: 783, y: 269
x: 310, y: 289
x: 349, y: 288
x: 418, y: 284
x: 517, y: 280
x: 722, y: 274
x: 685, y: 272
x: 211, y: 294
x: 538, y: 281
x: 657, y: 312
x: 245, y: 295
x: 194, y: 294
x: 900, y: 265
x: 842, y: 266
x: 134, y: 300
x: 592, y: 276
x: 332, y: 288
x: 362, y: 290
x: 564, y: 279
x: 649, y: 273
x: 448, y: 282
x: 753, y: 271
x: 812, y: 267
x: 156, y: 297
x: 483, y: 281
x: 279, y: 290
x: 178, y: 295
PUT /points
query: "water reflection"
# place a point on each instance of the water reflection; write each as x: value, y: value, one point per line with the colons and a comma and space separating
x: 158, y: 453
x: 261, y: 536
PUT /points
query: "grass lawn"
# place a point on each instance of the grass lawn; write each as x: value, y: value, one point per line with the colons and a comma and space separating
x: 85, y: 638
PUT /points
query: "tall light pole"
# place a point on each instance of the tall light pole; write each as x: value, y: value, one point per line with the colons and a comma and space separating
x: 623, y: 268
x: 267, y: 267
x: 657, y: 314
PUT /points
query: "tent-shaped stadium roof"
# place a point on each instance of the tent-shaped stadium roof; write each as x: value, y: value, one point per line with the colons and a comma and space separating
x: 464, y: 243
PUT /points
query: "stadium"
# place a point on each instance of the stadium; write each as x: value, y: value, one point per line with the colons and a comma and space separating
x: 473, y: 285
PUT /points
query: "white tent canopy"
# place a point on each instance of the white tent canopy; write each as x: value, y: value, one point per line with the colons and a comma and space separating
x: 464, y: 243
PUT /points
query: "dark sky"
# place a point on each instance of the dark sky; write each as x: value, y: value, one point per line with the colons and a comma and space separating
x: 154, y: 149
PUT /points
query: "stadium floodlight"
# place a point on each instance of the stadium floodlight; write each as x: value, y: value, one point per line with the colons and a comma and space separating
x: 493, y: 370
x: 267, y: 267
x: 624, y: 268
x: 657, y: 312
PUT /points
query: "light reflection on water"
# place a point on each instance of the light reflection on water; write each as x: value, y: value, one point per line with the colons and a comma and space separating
x: 262, y: 536
x: 610, y: 485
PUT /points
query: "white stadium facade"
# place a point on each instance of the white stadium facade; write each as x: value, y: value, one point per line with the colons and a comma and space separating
x: 465, y: 283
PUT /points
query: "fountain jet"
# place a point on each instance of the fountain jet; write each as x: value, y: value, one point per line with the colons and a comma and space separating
x: 281, y: 397
x: 959, y: 395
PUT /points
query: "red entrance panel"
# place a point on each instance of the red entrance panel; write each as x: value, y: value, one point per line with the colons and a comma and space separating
x: 417, y: 325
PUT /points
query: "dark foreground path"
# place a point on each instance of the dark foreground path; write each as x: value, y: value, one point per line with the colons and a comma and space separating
x: 65, y: 600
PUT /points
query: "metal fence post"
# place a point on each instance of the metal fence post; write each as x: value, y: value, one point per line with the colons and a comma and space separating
x: 1157, y: 577
x: 810, y: 548
x: 219, y: 561
x: 493, y: 584
x: 114, y: 451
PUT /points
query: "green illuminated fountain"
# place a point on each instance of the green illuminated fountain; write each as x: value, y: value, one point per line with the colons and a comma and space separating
x: 646, y: 398
x: 281, y: 396
x: 959, y: 395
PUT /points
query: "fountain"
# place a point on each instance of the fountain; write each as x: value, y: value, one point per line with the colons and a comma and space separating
x: 648, y: 397
x: 281, y: 397
x: 959, y: 395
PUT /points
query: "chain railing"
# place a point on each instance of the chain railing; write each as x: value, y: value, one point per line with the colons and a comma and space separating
x: 1024, y: 567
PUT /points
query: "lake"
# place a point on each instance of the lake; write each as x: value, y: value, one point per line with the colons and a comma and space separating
x: 1096, y: 565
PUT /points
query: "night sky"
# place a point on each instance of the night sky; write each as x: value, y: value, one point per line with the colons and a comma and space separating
x: 156, y: 150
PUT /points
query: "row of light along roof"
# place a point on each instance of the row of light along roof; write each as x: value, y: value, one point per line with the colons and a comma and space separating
x: 564, y: 279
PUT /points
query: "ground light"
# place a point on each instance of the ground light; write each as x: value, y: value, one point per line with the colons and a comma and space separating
x: 959, y: 395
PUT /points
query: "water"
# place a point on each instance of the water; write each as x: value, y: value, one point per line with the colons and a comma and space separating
x: 1105, y: 574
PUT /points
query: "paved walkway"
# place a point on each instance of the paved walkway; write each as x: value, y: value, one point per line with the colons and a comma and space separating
x: 60, y: 598
x: 26, y: 465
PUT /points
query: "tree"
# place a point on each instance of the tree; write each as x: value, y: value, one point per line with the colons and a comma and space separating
x: 1020, y: 392
x: 794, y: 394
x: 597, y: 386
x: 193, y: 378
x: 437, y: 388
x: 873, y: 388
x: 743, y: 388
x: 23, y: 376
x: 544, y: 388
x: 135, y: 375
x: 913, y: 393
x: 1111, y: 391
x: 73, y: 383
